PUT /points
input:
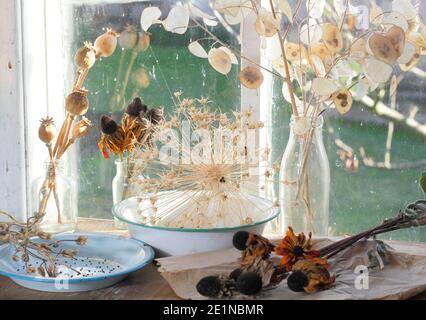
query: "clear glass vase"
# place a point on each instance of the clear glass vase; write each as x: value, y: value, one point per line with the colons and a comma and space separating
x: 305, y: 179
x: 54, y: 200
x: 120, y: 187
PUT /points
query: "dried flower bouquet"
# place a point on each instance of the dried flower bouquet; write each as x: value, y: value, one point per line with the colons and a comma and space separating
x: 75, y: 126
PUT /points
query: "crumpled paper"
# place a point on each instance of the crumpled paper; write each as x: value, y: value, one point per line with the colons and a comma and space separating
x: 403, y: 275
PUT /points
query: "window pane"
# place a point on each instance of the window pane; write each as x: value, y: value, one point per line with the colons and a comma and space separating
x: 155, y: 74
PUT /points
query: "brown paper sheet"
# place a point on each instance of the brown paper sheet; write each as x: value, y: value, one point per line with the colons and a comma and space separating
x: 402, y: 278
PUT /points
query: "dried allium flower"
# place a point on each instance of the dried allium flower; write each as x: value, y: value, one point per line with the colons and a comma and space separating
x: 81, y: 241
x: 81, y: 128
x: 47, y: 131
x: 77, y: 103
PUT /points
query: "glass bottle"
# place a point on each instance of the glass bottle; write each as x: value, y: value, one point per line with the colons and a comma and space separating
x: 60, y: 211
x: 120, y: 187
x: 305, y: 179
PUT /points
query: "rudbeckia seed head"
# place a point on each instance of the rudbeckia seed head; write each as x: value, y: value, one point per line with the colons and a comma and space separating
x: 235, y: 274
x: 108, y: 125
x: 136, y: 107
x: 297, y: 281
x: 240, y: 240
x: 210, y: 286
x: 249, y: 283
x: 155, y: 115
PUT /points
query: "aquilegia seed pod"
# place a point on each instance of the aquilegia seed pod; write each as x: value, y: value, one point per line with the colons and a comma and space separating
x: 77, y: 103
x: 108, y: 125
x: 47, y: 131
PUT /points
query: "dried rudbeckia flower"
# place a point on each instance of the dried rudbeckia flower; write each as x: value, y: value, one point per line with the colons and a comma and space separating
x: 310, y: 276
x: 136, y: 108
x: 77, y: 103
x: 47, y: 131
x: 215, y: 286
x: 252, y: 245
x: 249, y: 283
x: 251, y: 77
x: 294, y: 248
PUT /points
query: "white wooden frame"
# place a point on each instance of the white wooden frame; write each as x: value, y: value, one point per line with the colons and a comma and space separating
x: 32, y: 86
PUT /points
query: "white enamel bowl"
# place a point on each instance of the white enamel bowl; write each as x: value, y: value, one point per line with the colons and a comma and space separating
x: 177, y: 242
x: 104, y: 261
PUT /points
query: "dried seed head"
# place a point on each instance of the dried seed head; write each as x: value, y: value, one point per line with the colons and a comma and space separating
x: 81, y: 241
x: 77, y: 103
x: 249, y: 283
x: 69, y: 253
x: 155, y: 115
x: 106, y: 44
x: 136, y: 107
x: 209, y: 287
x: 108, y: 125
x: 47, y: 131
x: 144, y: 40
x: 128, y: 38
x: 85, y: 57
x: 44, y: 235
x: 81, y: 128
x: 240, y: 240
x: 297, y: 281
x: 41, y: 271
x: 31, y: 270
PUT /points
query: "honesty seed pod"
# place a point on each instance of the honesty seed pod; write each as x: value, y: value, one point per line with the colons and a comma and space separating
x: 85, y: 57
x: 106, y: 44
x: 332, y: 37
x: 47, y: 131
x: 343, y: 100
x: 251, y: 77
x: 77, y: 103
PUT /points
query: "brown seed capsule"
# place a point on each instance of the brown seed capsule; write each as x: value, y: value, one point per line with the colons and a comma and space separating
x: 251, y: 77
x: 85, y: 57
x: 77, y: 103
x: 47, y: 130
x: 144, y: 40
x: 81, y: 241
x: 108, y: 125
x: 106, y: 44
x: 128, y: 38
x: 69, y: 253
x: 81, y: 128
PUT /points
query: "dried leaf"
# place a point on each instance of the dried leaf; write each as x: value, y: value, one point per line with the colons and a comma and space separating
x: 177, y: 21
x: 220, y: 61
x: 197, y: 50
x: 324, y: 87
x: 149, y: 16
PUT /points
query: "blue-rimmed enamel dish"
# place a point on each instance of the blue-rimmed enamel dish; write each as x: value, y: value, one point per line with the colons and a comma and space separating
x: 104, y: 261
x: 184, y: 241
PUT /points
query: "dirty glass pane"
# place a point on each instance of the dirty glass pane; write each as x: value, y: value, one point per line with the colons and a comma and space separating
x: 155, y: 74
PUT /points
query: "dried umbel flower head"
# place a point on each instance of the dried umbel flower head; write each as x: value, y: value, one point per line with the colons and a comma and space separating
x: 136, y: 108
x: 69, y: 253
x: 85, y: 57
x: 77, y: 103
x: 106, y: 44
x: 47, y: 131
x: 81, y: 128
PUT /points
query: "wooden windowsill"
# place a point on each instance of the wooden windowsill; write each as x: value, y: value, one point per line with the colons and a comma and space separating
x: 146, y: 284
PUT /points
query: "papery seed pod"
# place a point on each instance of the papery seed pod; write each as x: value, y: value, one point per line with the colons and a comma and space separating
x: 108, y: 125
x: 141, y: 78
x: 249, y: 283
x: 136, y: 107
x: 155, y: 115
x: 251, y: 77
x: 106, y: 44
x: 77, y: 103
x: 47, y: 131
x: 128, y: 38
x: 41, y: 271
x: 144, y: 40
x: 85, y: 57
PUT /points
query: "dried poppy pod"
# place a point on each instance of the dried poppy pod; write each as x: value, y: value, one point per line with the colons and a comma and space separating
x: 128, y: 38
x: 251, y: 77
x: 47, y: 131
x: 144, y: 40
x: 332, y: 37
x: 77, y: 103
x: 106, y: 44
x: 85, y: 57
x: 81, y: 128
x: 108, y: 125
x: 343, y: 100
